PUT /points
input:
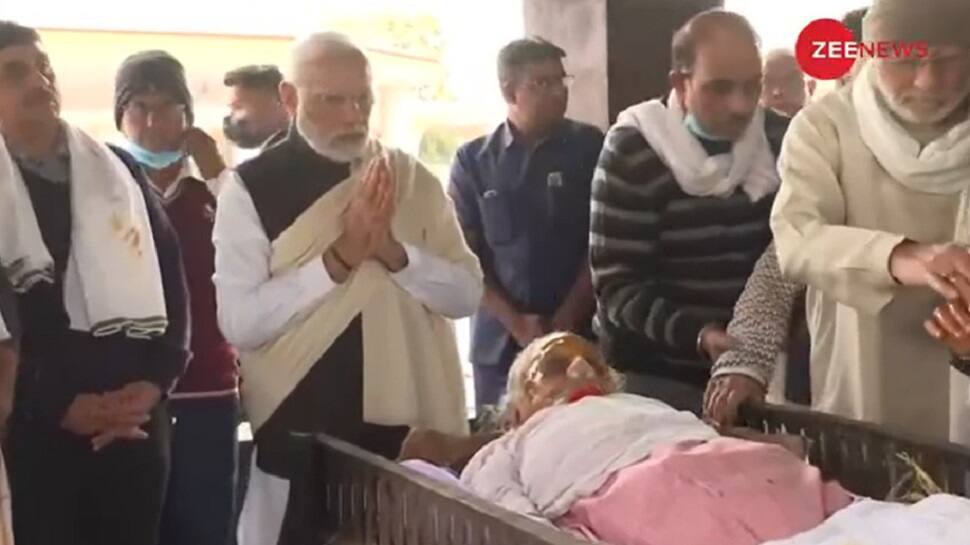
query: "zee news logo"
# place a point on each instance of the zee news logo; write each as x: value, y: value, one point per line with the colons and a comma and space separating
x: 869, y: 50
x: 827, y: 49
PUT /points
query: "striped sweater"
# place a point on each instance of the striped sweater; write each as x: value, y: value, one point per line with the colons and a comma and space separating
x: 665, y: 263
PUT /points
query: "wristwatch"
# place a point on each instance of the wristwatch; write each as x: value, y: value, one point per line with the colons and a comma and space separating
x: 700, y: 340
x: 961, y: 364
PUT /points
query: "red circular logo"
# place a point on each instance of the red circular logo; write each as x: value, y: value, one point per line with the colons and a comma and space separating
x: 822, y: 49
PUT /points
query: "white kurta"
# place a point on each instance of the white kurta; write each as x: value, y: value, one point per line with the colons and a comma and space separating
x: 836, y: 220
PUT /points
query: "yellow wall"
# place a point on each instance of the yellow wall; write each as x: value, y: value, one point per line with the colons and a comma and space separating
x: 86, y: 62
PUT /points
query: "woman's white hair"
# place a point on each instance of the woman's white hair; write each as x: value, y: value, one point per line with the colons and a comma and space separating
x: 313, y: 47
x: 522, y: 366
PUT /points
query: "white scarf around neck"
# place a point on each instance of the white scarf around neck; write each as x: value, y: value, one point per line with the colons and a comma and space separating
x: 113, y: 280
x: 941, y: 167
x: 750, y: 165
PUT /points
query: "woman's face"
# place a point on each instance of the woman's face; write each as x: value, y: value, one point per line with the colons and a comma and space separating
x: 566, y: 366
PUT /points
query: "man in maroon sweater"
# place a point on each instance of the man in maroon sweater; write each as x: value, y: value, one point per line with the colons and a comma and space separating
x: 153, y: 109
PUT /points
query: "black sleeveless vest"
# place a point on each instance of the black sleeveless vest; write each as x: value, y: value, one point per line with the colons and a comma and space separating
x: 283, y: 181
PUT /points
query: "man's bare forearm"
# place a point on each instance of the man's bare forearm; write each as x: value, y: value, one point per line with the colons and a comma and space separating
x: 580, y: 303
x: 497, y: 303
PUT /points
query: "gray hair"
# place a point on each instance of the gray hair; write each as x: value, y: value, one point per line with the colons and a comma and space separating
x: 319, y: 45
x: 518, y: 54
x: 522, y: 365
x: 700, y: 28
x: 780, y: 53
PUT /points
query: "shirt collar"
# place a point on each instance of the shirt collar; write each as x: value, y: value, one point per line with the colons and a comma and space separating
x: 56, y: 168
x: 505, y: 134
x: 189, y: 170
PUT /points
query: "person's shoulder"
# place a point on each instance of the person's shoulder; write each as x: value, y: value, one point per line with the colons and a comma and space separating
x: 830, y: 108
x: 269, y: 159
x: 584, y: 131
x: 129, y: 161
x: 475, y: 147
x: 827, y: 115
x: 625, y: 140
x: 775, y: 124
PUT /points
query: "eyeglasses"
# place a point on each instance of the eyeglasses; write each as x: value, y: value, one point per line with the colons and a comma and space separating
x: 551, y: 83
x: 333, y: 101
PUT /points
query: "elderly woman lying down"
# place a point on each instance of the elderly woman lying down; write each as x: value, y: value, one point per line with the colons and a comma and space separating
x: 629, y: 470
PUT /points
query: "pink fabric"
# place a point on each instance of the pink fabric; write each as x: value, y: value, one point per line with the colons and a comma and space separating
x: 725, y: 491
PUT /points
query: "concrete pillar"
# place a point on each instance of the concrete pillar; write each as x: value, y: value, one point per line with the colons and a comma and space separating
x: 619, y: 50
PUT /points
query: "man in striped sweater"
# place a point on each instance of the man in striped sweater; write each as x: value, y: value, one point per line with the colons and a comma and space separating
x: 680, y: 207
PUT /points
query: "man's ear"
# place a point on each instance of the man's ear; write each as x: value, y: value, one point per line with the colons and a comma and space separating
x: 678, y: 82
x: 289, y: 97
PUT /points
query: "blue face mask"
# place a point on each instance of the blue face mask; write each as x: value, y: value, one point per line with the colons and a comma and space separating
x: 155, y: 160
x: 694, y: 126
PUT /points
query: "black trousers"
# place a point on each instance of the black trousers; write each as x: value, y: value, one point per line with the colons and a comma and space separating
x: 63, y: 493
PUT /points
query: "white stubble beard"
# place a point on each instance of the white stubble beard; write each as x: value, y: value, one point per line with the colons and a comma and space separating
x: 324, y: 144
x: 901, y: 110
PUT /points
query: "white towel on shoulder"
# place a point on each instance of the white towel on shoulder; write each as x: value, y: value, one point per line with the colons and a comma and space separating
x: 750, y: 165
x: 113, y: 282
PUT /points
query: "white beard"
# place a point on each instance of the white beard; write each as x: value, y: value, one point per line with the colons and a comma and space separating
x: 907, y: 114
x: 343, y: 152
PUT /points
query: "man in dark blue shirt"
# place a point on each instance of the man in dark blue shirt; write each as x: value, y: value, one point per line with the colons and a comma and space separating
x: 522, y: 194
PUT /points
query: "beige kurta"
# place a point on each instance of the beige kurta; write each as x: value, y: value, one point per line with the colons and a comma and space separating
x: 836, y: 220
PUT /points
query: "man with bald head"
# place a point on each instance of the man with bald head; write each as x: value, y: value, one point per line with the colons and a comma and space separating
x: 338, y: 262
x: 875, y: 176
x: 785, y: 89
x: 681, y: 199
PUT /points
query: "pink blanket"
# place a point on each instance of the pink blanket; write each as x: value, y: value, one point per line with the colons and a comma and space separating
x: 725, y: 491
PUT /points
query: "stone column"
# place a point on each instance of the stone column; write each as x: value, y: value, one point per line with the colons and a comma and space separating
x: 619, y: 50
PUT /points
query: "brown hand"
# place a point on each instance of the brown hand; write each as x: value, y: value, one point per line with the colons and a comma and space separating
x: 136, y: 397
x: 365, y: 221
x: 205, y: 152
x: 528, y: 327
x: 726, y: 393
x: 935, y: 266
x: 950, y: 324
x: 109, y: 436
x: 91, y: 414
x: 715, y: 341
x: 566, y: 319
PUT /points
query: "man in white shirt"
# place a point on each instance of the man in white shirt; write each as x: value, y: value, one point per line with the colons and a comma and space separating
x: 873, y: 181
x: 329, y: 249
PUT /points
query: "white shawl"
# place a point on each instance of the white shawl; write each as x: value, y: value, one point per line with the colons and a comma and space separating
x: 942, y: 167
x: 750, y: 165
x: 412, y: 374
x: 567, y: 452
x: 113, y: 282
